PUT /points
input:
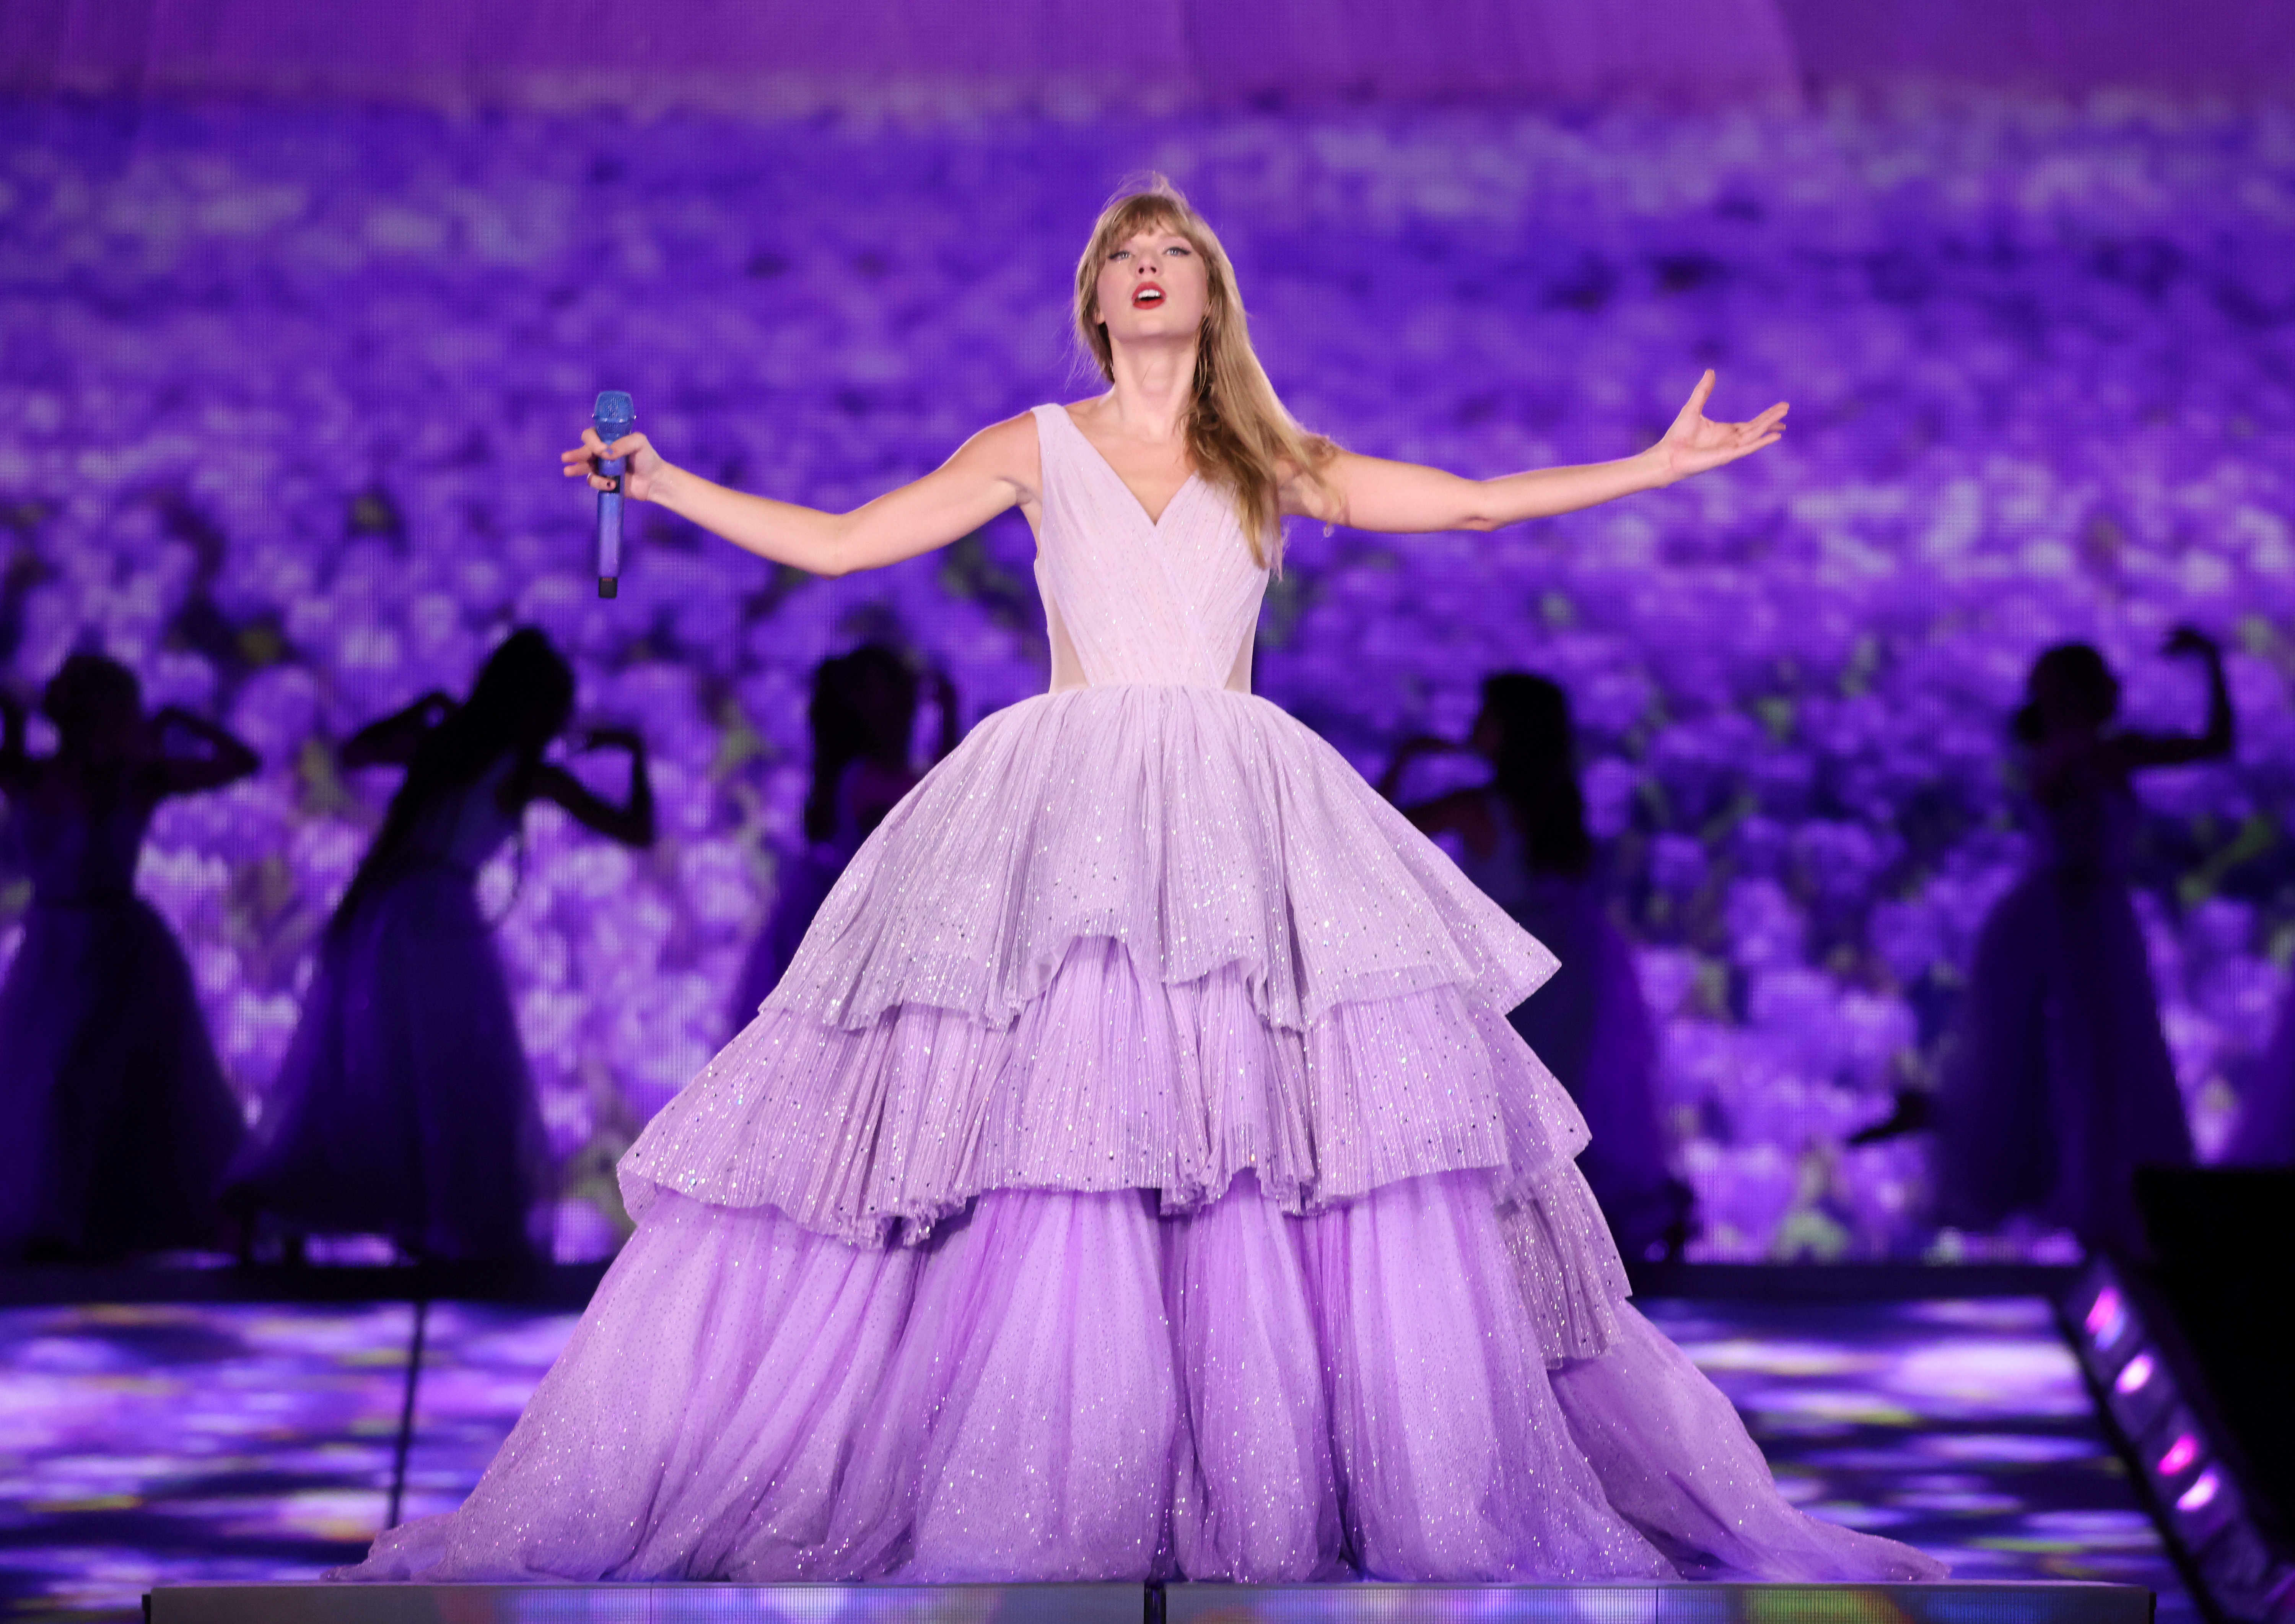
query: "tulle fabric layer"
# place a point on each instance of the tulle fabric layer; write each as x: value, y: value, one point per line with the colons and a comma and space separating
x: 1072, y: 1387
x: 403, y: 1106
x: 1109, y: 1079
x: 116, y: 1124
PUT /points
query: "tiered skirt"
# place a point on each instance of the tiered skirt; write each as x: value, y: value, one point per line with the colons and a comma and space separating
x: 1133, y: 1176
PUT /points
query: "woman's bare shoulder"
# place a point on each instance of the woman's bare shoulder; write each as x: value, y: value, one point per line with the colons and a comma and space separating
x: 1008, y: 450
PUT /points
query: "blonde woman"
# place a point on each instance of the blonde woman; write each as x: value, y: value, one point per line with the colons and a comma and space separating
x: 1134, y: 1174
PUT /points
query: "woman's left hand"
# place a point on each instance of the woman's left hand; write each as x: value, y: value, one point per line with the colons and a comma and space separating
x: 1696, y: 443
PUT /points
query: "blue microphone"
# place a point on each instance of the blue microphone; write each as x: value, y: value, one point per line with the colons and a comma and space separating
x: 615, y: 417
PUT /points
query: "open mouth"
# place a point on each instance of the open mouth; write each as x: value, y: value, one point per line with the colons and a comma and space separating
x: 1147, y: 296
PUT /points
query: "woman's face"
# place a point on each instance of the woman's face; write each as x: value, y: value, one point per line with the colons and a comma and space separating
x: 1153, y: 285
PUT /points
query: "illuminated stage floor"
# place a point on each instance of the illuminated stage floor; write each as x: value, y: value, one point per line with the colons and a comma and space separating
x: 176, y: 1444
x: 2005, y: 1604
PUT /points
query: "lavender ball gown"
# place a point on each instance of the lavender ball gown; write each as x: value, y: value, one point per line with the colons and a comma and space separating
x: 116, y: 1124
x: 2060, y: 1083
x: 1134, y: 1175
x: 405, y: 1107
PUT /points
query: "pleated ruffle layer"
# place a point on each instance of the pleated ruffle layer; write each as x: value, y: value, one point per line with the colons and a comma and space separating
x: 1202, y: 829
x: 1128, y: 938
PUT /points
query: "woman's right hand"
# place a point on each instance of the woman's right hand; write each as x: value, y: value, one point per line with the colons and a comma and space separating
x: 642, y: 468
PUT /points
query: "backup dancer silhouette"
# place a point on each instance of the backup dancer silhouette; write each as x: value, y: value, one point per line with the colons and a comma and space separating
x: 404, y: 1108
x: 2060, y: 1083
x: 116, y: 1124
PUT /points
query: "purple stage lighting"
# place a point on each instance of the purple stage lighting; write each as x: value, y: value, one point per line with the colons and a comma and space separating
x: 2165, y: 1439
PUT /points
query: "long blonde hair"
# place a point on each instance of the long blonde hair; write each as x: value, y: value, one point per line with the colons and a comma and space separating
x: 1240, y: 436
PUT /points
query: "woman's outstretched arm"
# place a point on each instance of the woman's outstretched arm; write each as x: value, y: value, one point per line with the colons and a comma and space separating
x: 2138, y: 750
x: 392, y: 740
x: 228, y: 758
x: 630, y: 823
x: 1368, y: 493
x: 989, y: 473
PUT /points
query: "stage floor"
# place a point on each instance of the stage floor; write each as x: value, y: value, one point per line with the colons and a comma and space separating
x: 167, y: 1444
x: 2007, y: 1603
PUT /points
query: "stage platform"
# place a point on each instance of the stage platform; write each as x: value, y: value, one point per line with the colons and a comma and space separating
x: 721, y: 1604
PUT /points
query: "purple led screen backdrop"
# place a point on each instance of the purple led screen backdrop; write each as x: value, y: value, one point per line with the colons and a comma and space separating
x: 735, y: 53
x: 285, y: 388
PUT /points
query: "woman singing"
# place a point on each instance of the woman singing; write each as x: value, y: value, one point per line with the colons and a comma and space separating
x: 1134, y: 1174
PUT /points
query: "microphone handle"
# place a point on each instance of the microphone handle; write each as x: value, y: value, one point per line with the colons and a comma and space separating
x: 609, y: 528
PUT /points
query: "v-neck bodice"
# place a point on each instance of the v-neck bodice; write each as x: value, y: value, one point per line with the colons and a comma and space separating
x: 1171, y: 600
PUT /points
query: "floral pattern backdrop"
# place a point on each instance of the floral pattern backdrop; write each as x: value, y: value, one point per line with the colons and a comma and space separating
x: 284, y: 390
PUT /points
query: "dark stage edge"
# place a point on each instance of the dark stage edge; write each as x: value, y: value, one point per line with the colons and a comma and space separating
x: 1363, y: 1603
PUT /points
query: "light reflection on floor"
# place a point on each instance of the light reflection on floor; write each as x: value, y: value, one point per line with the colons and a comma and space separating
x: 154, y: 1442
x: 1961, y: 1427
x: 142, y: 1444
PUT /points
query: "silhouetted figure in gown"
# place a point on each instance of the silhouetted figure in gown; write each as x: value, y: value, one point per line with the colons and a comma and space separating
x: 116, y: 1124
x: 1525, y: 846
x: 405, y: 1107
x: 2060, y: 1084
x: 863, y: 718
